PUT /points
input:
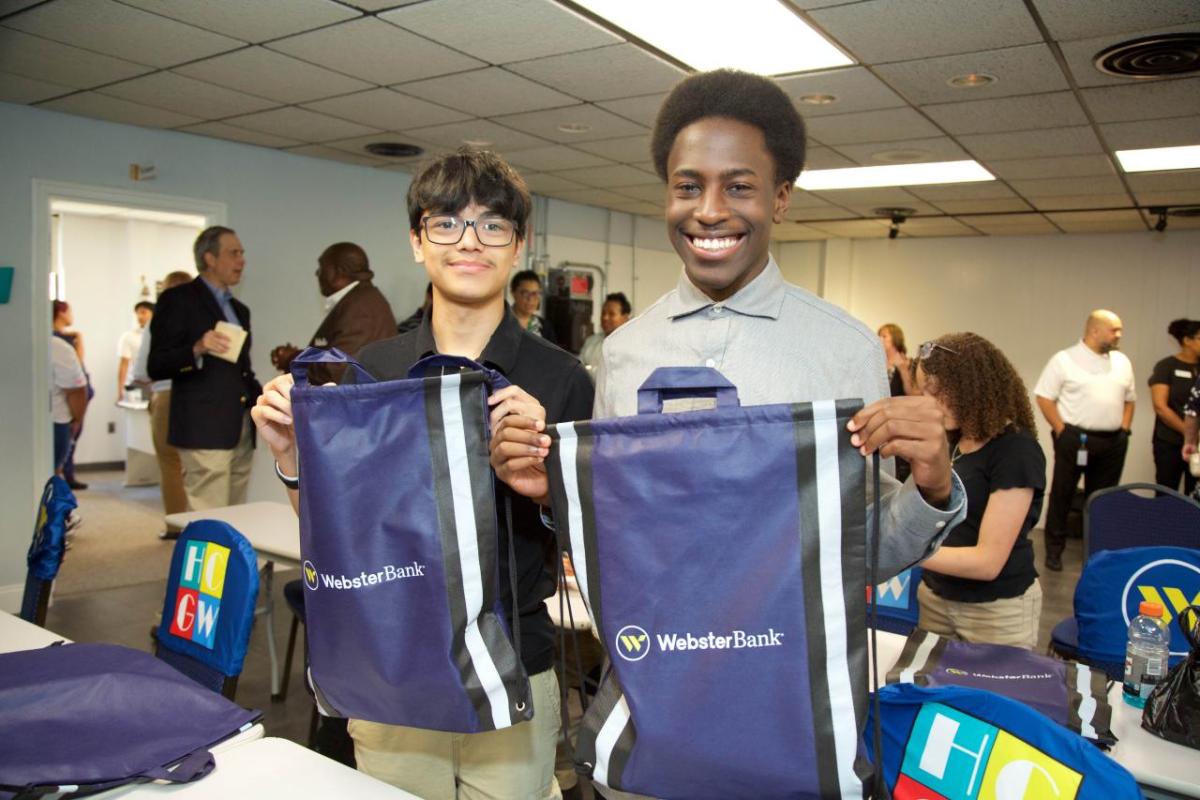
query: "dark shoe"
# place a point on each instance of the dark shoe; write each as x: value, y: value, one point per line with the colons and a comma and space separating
x: 1054, y: 562
x: 76, y: 485
x: 171, y: 535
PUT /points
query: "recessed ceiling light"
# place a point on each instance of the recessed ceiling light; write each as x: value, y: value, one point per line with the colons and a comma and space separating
x: 900, y: 156
x: 782, y: 41
x: 574, y: 127
x: 972, y: 80
x: 393, y: 149
x: 894, y: 175
x: 1160, y: 159
x: 818, y: 99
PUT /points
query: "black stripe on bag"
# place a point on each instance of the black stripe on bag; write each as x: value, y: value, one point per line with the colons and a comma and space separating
x: 452, y: 566
x: 907, y: 654
x: 598, y: 711
x: 472, y: 393
x: 1102, y: 720
x: 814, y: 609
x: 583, y: 478
x: 1074, y: 698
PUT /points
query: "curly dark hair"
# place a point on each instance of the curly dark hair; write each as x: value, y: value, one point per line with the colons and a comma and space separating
x: 741, y: 96
x: 978, y: 384
x: 453, y: 181
x: 1181, y: 329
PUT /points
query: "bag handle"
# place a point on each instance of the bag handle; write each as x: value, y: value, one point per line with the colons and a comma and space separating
x: 1191, y: 631
x: 332, y: 355
x: 441, y: 362
x: 675, y: 382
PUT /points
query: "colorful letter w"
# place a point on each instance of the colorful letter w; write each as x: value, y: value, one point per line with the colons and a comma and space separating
x: 201, y: 584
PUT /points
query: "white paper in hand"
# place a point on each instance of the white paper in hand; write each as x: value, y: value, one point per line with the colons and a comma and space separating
x: 237, y: 337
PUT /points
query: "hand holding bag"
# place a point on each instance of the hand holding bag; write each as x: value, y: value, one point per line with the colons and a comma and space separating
x: 1173, y: 708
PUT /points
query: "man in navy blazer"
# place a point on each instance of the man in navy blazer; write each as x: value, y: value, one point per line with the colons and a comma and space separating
x: 213, y: 388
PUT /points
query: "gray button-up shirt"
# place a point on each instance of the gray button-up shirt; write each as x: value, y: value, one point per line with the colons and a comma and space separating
x: 777, y: 343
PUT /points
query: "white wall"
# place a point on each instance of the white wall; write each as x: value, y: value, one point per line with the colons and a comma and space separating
x: 1029, y: 295
x: 105, y: 263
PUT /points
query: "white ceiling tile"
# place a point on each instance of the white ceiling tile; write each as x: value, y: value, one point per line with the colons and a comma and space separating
x: 542, y: 182
x: 641, y: 208
x: 221, y: 130
x: 1023, y: 113
x: 487, y: 92
x: 1144, y: 100
x: 499, y: 31
x: 936, y: 226
x: 1016, y: 225
x: 590, y: 197
x: 1099, y: 221
x: 1165, y: 181
x: 1167, y: 198
x: 651, y: 193
x: 1183, y: 224
x: 266, y: 73
x: 610, y: 177
x: 498, y: 137
x: 19, y: 89
x: 251, y: 22
x: 356, y: 145
x: 854, y: 229
x: 1076, y: 201
x: 868, y: 209
x: 899, y: 30
x: 982, y: 206
x: 379, y: 5
x: 186, y: 96
x: 855, y: 88
x: 44, y: 60
x: 938, y: 148
x: 299, y: 123
x: 1066, y: 19
x: 1080, y: 55
x: 984, y: 190
x: 625, y: 149
x: 373, y: 50
x: 601, y: 124
x: 386, y: 109
x: 334, y: 154
x: 1059, y: 187
x: 13, y: 6
x: 114, y: 109
x: 554, y: 157
x: 641, y: 110
x: 1174, y: 132
x: 1032, y: 144
x: 108, y: 27
x: 795, y: 232
x: 871, y: 126
x: 873, y: 198
x: 1019, y: 70
x: 1057, y: 167
x: 825, y: 158
x: 605, y: 73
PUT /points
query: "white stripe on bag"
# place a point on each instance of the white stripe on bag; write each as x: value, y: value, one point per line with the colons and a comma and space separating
x: 1087, y: 702
x: 606, y: 739
x: 837, y: 666
x: 468, y: 549
x: 919, y: 658
x: 568, y: 447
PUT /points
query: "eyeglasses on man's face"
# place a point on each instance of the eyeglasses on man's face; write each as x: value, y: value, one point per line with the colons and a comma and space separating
x: 492, y: 230
x: 926, y: 350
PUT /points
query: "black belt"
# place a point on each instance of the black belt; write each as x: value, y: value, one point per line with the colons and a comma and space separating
x: 1100, y: 434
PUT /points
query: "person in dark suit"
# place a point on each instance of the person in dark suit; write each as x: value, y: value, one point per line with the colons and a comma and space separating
x: 358, y: 313
x: 213, y: 387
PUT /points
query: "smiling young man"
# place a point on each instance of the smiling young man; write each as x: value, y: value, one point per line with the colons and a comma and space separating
x: 467, y: 219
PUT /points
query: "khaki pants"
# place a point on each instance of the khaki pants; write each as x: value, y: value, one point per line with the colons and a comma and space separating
x: 515, y: 763
x: 170, y: 468
x: 216, y: 478
x: 1013, y: 620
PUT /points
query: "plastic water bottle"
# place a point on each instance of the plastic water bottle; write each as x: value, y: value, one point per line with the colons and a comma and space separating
x: 1146, y: 653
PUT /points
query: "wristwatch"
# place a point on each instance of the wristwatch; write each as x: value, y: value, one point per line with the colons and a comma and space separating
x: 287, y: 480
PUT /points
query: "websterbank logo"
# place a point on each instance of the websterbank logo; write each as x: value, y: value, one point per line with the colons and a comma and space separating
x: 633, y: 643
x: 314, y: 578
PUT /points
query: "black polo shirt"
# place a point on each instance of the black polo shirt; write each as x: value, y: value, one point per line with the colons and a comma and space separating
x: 562, y: 386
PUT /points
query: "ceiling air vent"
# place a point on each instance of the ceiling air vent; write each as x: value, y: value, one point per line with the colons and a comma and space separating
x: 393, y: 149
x: 1152, y: 56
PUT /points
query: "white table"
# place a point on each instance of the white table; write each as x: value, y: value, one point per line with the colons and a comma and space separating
x: 1154, y: 762
x: 270, y: 769
x: 17, y: 634
x: 273, y: 530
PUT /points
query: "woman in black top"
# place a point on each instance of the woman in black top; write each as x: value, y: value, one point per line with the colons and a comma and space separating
x: 1169, y: 385
x: 981, y: 585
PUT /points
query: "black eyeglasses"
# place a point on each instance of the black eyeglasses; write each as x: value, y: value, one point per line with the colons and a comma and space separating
x: 490, y: 230
x: 926, y: 350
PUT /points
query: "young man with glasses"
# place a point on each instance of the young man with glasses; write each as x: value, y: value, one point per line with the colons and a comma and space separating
x: 467, y: 218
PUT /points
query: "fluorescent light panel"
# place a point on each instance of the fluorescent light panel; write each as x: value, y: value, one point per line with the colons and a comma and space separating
x: 121, y: 212
x: 894, y: 175
x: 1160, y: 159
x: 761, y: 36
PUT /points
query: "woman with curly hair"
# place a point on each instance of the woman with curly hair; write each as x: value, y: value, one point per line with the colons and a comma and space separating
x: 981, y: 585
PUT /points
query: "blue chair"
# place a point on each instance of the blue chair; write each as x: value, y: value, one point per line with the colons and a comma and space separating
x: 1118, y: 518
x: 896, y: 609
x: 208, y: 612
x: 46, y: 550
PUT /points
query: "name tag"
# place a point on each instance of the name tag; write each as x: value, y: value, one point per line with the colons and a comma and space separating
x: 1183, y: 373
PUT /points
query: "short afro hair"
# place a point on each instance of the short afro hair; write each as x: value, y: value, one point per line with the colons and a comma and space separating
x: 740, y: 96
x: 450, y: 182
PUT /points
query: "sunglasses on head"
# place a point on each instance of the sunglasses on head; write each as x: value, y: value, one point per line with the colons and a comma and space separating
x: 926, y: 350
